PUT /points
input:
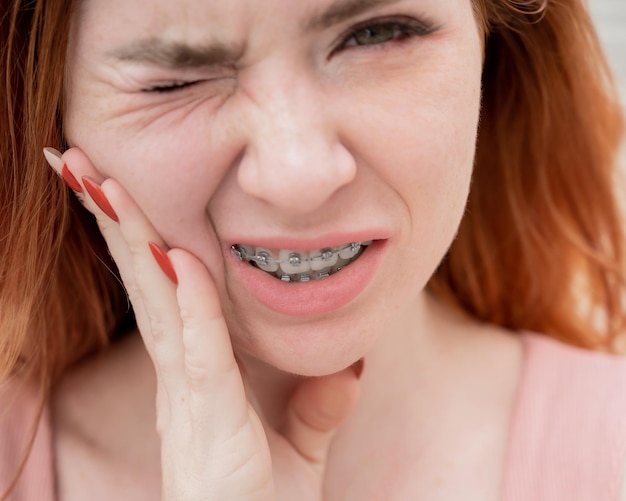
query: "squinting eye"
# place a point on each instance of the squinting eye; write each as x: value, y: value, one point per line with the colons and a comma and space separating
x: 169, y: 87
x: 381, y: 31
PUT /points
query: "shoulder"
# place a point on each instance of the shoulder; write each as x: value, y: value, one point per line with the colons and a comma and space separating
x: 568, y: 432
x: 18, y: 416
x: 24, y: 420
x: 572, y: 372
x: 573, y: 390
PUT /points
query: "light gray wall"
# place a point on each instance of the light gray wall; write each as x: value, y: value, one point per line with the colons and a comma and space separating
x: 610, y: 17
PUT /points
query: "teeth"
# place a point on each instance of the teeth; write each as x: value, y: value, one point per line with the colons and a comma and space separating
x: 341, y: 263
x: 241, y: 251
x: 349, y: 251
x: 295, y: 266
x: 322, y: 259
x: 264, y: 260
x: 294, y: 262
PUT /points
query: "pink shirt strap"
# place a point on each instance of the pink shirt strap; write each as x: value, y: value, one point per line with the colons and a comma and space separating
x: 18, y: 412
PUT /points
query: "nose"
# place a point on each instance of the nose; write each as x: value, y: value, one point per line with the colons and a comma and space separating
x: 294, y: 157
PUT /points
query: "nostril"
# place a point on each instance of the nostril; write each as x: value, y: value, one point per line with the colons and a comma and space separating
x: 346, y: 164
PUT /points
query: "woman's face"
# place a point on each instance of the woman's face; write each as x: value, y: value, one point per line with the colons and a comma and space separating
x: 295, y: 128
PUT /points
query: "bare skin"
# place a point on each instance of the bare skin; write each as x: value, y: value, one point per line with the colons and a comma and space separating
x: 107, y: 447
x: 327, y: 122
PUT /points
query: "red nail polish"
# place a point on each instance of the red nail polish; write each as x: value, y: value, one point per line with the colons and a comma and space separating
x: 358, y: 366
x: 70, y: 180
x: 164, y: 262
x: 95, y: 192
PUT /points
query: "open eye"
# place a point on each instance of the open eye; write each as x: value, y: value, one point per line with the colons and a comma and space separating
x: 170, y: 87
x: 381, y: 31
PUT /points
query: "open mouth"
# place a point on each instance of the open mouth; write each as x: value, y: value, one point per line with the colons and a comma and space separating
x: 298, y: 266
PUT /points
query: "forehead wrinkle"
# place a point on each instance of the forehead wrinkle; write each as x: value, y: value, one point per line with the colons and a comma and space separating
x: 340, y: 11
x: 177, y: 55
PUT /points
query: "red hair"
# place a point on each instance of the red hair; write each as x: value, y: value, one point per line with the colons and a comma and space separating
x: 542, y: 228
x: 541, y: 246
x: 58, y: 301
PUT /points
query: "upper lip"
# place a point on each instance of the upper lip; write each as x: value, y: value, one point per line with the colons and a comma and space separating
x: 305, y: 244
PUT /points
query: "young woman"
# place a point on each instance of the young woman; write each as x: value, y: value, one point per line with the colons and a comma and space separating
x: 373, y: 251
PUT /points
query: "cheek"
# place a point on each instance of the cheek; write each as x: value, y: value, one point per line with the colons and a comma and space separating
x: 171, y: 166
x: 419, y: 138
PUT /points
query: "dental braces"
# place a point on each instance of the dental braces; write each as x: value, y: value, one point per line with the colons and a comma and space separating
x: 295, y: 258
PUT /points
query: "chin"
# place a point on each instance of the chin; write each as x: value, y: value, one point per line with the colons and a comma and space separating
x: 314, y: 349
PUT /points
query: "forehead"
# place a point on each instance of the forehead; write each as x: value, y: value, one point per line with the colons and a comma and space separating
x: 236, y: 30
x: 190, y: 18
x: 180, y: 18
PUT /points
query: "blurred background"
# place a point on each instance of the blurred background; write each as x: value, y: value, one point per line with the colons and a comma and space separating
x: 610, y: 17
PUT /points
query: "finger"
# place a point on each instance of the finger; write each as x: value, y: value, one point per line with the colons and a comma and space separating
x: 128, y: 233
x: 153, y: 285
x: 225, y: 427
x: 317, y: 408
x: 55, y: 160
x: 217, y: 396
x: 71, y: 167
x: 152, y: 291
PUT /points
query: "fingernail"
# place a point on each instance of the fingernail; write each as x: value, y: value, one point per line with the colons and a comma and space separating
x: 357, y: 367
x: 98, y: 196
x: 54, y: 158
x: 70, y: 180
x: 164, y: 262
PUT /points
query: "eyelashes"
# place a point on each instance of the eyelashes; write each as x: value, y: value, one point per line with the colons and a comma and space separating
x: 170, y: 87
x: 378, y: 33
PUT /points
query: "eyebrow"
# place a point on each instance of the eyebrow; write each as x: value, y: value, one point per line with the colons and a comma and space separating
x: 341, y: 11
x: 177, y: 55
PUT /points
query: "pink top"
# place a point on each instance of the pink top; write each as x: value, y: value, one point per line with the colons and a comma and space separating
x: 568, y: 434
x: 567, y: 438
x: 37, y: 480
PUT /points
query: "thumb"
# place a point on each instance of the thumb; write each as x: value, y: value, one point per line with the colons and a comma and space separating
x: 317, y: 408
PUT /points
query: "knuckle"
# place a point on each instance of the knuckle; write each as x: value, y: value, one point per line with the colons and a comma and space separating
x: 318, y: 418
x: 196, y: 373
x: 105, y: 225
x: 158, y: 326
x: 132, y: 290
x: 187, y: 316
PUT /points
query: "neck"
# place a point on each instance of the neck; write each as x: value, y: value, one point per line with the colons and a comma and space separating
x: 411, y: 350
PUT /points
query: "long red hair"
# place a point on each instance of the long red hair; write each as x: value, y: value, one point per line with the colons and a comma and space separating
x: 541, y: 246
x: 58, y: 299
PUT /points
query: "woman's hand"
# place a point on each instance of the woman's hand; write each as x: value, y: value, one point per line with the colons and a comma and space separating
x: 214, y: 445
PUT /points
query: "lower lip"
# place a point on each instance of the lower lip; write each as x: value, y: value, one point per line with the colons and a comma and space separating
x: 318, y: 296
